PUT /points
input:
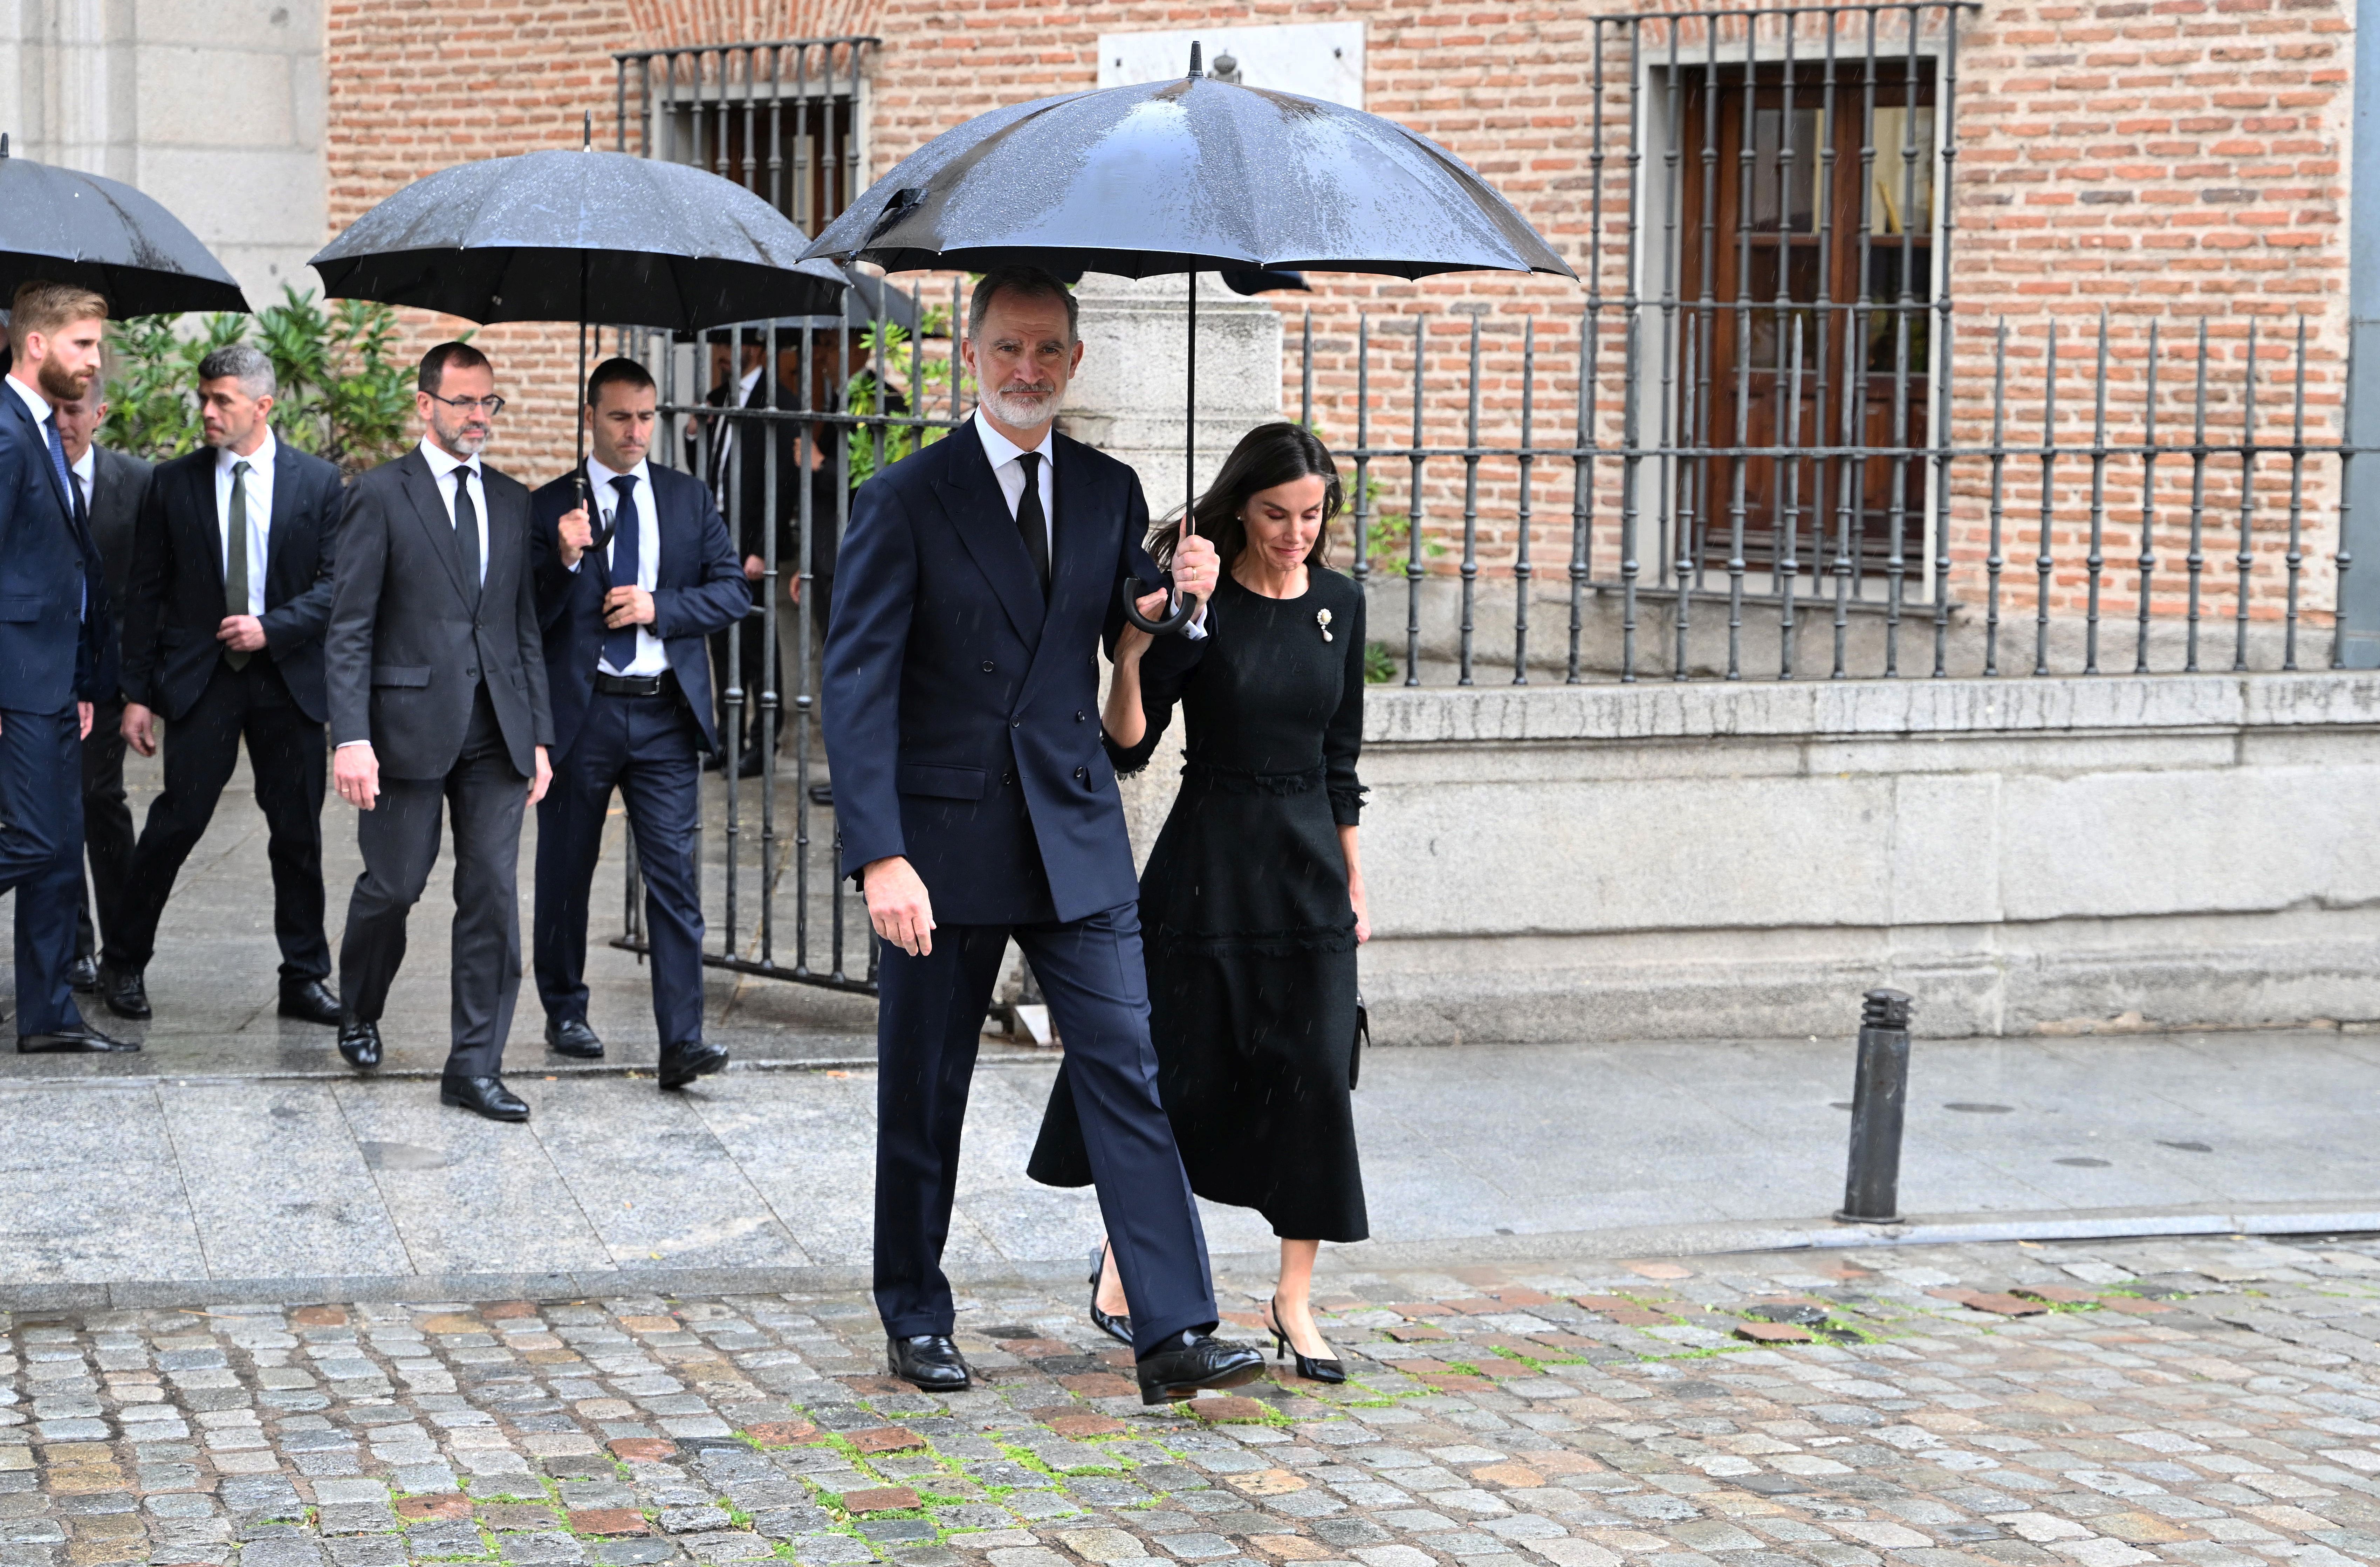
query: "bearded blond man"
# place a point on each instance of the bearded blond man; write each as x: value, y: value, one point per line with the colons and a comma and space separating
x: 52, y: 634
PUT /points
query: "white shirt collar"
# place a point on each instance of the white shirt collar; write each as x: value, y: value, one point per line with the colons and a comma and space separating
x: 86, y: 466
x: 1001, y: 449
x: 599, y: 478
x: 744, y: 388
x: 35, y: 403
x: 259, y: 461
x: 441, y: 463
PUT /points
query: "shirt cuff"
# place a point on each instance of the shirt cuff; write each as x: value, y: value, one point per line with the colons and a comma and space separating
x: 1197, y: 630
x: 345, y: 743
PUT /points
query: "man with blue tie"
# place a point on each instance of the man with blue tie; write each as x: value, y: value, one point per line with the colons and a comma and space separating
x: 52, y: 635
x: 626, y: 615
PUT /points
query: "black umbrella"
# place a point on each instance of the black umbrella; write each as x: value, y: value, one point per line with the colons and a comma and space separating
x: 582, y: 236
x: 66, y: 226
x: 1189, y: 175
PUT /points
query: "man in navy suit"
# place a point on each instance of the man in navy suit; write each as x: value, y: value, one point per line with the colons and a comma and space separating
x: 625, y: 624
x: 975, y: 804
x: 222, y: 639
x: 53, y: 628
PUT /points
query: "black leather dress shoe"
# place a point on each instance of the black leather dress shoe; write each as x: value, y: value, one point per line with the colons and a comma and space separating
x: 681, y: 1065
x: 1189, y: 1363
x: 748, y: 765
x: 123, y: 991
x: 359, y: 1043
x: 929, y: 1362
x: 82, y: 974
x: 80, y: 1039
x: 310, y: 1000
x: 571, y: 1036
x: 483, y: 1095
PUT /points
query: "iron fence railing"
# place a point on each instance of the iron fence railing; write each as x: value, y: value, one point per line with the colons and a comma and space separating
x: 2178, y: 474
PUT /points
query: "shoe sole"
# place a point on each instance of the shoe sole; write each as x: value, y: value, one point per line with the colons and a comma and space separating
x: 595, y: 1054
x: 1174, y: 1392
x: 295, y: 1016
x: 680, y: 1079
x: 141, y: 1015
x: 459, y: 1103
x: 958, y: 1387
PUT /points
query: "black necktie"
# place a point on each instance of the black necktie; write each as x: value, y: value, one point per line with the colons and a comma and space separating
x: 627, y: 539
x: 466, y: 535
x: 1031, y: 521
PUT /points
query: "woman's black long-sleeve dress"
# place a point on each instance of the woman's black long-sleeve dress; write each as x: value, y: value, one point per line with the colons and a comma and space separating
x: 1249, y: 936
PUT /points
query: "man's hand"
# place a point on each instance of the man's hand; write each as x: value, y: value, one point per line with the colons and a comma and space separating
x: 355, y: 772
x: 627, y: 606
x: 140, y: 729
x: 544, y: 778
x: 241, y: 633
x: 1195, y: 567
x: 754, y: 566
x: 82, y: 721
x: 898, y: 905
x: 578, y: 536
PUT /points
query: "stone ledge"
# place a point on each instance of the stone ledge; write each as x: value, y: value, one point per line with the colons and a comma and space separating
x: 1720, y: 710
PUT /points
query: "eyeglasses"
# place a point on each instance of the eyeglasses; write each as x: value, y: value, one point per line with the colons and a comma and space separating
x: 490, y: 406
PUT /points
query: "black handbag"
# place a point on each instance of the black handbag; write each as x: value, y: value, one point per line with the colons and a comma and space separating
x: 1363, y: 1038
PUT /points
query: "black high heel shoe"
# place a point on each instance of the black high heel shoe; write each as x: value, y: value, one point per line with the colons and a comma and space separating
x: 1312, y: 1370
x: 1117, y: 1327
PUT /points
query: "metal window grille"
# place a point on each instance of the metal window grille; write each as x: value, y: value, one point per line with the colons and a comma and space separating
x: 1757, y: 408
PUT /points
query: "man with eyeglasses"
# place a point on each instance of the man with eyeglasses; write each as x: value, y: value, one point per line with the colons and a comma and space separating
x: 437, y: 698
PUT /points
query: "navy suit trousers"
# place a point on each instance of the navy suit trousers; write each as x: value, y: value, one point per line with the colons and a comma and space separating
x: 646, y: 748
x: 41, y: 858
x: 929, y: 1016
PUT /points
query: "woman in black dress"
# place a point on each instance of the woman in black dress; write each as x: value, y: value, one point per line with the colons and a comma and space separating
x: 1251, y: 906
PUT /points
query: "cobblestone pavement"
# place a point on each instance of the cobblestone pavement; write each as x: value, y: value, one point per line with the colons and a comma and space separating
x: 2205, y: 1402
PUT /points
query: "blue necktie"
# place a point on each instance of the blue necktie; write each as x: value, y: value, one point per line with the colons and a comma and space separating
x: 620, y: 646
x: 58, y: 459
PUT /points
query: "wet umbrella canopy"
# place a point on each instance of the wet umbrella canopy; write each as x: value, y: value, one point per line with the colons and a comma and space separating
x: 66, y: 226
x: 583, y: 236
x: 1193, y: 176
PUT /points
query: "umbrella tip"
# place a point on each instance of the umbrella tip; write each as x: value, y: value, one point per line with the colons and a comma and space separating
x: 1195, y: 69
x: 4, y: 143
x: 587, y: 130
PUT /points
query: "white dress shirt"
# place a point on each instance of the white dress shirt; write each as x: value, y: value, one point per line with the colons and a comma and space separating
x: 652, y: 656
x: 727, y: 426
x: 1010, y: 474
x: 442, y: 466
x: 260, y: 512
x: 86, y: 475
x: 43, y: 415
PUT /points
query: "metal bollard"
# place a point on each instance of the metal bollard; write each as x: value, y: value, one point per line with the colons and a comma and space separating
x: 1871, y: 1185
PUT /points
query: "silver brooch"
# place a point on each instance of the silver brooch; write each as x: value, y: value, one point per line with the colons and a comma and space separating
x: 1322, y: 619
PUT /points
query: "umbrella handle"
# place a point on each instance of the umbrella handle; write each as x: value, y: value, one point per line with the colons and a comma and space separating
x: 1184, y: 606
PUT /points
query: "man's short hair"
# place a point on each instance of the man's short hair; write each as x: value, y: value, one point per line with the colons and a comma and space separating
x: 615, y: 371
x: 1031, y: 283
x: 446, y: 356
x: 49, y: 308
x: 244, y: 364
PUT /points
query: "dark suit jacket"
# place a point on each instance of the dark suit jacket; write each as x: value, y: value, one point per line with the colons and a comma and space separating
x: 699, y: 589
x: 404, y: 648
x: 949, y: 688
x: 119, y: 484
x: 176, y: 604
x: 53, y: 605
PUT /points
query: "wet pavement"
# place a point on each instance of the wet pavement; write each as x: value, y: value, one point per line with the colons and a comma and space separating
x: 2207, y: 1402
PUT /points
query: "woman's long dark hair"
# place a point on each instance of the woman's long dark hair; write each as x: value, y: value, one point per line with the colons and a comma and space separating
x: 1266, y: 456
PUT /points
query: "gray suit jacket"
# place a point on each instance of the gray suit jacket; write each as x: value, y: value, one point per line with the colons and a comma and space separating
x: 405, y: 649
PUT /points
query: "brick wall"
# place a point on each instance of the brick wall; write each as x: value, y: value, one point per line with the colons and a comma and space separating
x: 2171, y: 160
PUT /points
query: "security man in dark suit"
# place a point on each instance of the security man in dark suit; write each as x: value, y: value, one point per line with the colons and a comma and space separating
x: 222, y: 639
x: 110, y: 487
x: 438, y: 701
x: 625, y: 621
x: 53, y: 631
x: 975, y: 804
x: 738, y: 470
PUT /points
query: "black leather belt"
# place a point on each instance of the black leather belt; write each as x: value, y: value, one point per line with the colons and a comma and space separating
x: 631, y: 685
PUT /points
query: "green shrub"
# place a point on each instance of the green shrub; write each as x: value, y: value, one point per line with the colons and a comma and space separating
x: 342, y: 398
